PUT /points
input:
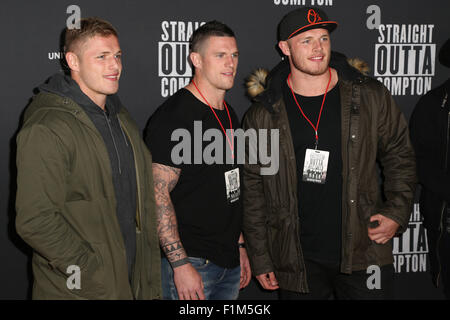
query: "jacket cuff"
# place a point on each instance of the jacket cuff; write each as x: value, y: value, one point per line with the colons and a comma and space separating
x: 260, y: 264
x: 403, y: 223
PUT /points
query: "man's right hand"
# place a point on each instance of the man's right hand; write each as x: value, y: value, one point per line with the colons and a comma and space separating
x: 188, y: 282
x: 268, y: 281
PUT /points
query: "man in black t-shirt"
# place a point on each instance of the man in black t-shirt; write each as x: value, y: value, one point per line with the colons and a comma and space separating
x: 196, y: 177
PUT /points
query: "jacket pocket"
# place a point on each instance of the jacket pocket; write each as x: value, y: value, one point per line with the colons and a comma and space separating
x: 83, y: 278
x: 92, y: 275
x: 367, y: 207
x: 282, y: 240
x: 199, y: 263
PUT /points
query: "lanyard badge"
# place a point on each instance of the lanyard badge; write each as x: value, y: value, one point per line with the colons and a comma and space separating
x: 233, y: 185
x: 316, y: 164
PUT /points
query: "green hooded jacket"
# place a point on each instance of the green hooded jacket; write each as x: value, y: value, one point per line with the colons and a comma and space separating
x: 66, y: 208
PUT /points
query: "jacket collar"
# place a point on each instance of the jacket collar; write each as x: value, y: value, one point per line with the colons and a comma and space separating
x: 272, y: 95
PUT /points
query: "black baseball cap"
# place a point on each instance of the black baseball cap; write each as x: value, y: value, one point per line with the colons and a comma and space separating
x: 303, y: 19
x: 444, y: 54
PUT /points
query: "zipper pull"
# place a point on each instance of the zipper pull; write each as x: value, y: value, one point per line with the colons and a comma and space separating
x: 444, y: 101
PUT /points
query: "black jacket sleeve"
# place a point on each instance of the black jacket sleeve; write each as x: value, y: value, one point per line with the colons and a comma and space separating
x: 429, y: 125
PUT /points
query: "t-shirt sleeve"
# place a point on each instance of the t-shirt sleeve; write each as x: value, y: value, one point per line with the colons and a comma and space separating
x: 158, y: 138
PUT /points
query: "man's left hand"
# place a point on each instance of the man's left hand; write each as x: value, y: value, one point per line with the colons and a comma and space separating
x: 246, y: 273
x: 385, y: 230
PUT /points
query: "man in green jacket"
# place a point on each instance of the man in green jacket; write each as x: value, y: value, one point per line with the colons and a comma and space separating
x: 85, y: 200
x: 319, y: 227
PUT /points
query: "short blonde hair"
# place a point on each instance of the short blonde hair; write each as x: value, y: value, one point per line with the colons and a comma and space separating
x: 89, y: 27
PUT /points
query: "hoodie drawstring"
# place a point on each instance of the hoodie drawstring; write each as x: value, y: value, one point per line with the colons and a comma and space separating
x: 123, y: 133
x: 112, y: 137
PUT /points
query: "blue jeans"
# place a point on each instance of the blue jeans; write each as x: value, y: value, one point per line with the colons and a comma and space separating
x: 220, y: 283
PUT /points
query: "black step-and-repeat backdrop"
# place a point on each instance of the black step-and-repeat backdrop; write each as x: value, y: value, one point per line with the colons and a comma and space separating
x: 400, y: 41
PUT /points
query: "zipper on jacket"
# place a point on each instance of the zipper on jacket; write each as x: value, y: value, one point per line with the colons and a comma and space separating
x: 344, y: 230
x: 444, y: 101
x: 123, y: 134
x: 303, y: 281
x: 108, y: 121
x: 438, y: 257
x: 345, y: 225
x: 138, y: 209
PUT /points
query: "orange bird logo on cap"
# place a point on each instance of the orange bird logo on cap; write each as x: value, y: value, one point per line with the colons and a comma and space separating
x: 313, y: 16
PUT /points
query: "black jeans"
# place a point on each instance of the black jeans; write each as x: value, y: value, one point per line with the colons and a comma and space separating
x: 325, y: 282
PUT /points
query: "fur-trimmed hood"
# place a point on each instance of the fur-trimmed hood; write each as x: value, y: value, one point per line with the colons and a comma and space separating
x: 264, y: 86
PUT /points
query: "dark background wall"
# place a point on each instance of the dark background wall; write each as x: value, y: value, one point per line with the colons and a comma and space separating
x: 153, y: 37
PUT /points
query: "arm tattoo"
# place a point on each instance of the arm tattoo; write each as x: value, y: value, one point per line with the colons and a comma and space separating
x: 165, y: 178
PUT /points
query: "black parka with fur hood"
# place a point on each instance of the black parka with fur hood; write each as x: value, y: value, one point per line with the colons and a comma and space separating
x: 373, y: 130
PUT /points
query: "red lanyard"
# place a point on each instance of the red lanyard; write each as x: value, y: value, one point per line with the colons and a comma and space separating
x: 316, y: 128
x: 230, y: 143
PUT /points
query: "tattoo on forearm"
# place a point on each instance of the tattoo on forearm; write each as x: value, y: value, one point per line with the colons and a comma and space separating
x: 174, y: 251
x: 165, y: 178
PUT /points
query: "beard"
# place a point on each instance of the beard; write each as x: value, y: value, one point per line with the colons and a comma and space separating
x: 303, y: 66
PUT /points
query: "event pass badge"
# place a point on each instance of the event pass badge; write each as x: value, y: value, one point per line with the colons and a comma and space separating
x: 232, y: 185
x: 316, y: 164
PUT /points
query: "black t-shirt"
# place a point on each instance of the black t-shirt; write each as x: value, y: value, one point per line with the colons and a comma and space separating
x: 209, y: 222
x: 320, y: 205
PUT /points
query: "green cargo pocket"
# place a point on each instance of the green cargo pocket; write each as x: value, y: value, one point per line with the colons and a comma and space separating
x: 92, y: 275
